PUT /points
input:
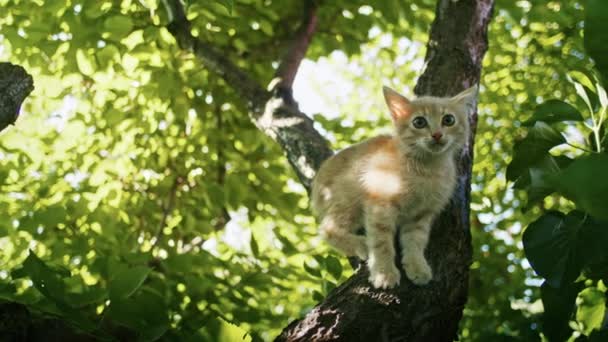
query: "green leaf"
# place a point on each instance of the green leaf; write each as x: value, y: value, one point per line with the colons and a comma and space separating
x: 540, y: 139
x: 585, y: 182
x: 127, y: 281
x: 220, y: 330
x: 595, y: 38
x: 334, y: 267
x: 145, y: 312
x: 94, y: 8
x: 537, y: 179
x: 86, y: 63
x: 118, y: 26
x: 389, y: 10
x: 554, y: 111
x: 184, y: 263
x: 581, y: 91
x: 228, y: 4
x: 601, y: 95
x: 313, y: 271
x: 255, y: 249
x: 7, y: 291
x: 230, y: 332
x: 47, y: 280
x: 550, y: 244
x: 559, y: 306
x: 591, y: 309
x: 288, y: 248
x: 91, y: 295
x: 3, y: 230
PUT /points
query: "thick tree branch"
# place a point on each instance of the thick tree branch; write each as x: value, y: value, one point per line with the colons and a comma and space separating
x: 274, y: 112
x: 15, y: 85
x: 356, y: 312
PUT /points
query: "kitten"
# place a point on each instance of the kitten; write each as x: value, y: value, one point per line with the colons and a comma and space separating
x: 403, y: 180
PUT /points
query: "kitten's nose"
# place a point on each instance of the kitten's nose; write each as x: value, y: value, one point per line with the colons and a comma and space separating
x: 437, y: 136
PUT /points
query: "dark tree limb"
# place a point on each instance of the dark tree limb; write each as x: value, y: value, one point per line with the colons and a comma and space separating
x: 273, y: 111
x: 356, y: 312
x: 15, y: 85
x: 288, y: 68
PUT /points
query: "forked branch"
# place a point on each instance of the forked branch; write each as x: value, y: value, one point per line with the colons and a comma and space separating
x: 274, y: 112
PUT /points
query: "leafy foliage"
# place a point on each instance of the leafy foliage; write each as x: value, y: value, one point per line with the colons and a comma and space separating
x: 569, y: 250
x: 136, y: 194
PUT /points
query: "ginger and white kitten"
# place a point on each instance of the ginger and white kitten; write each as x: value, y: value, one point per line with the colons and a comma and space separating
x: 403, y: 180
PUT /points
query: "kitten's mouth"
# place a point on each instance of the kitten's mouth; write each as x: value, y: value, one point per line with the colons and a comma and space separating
x: 437, y: 146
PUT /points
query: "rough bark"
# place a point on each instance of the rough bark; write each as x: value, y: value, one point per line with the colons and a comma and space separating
x: 354, y: 311
x: 15, y: 85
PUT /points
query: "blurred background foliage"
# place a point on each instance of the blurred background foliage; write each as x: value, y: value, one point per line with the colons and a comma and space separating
x: 135, y: 193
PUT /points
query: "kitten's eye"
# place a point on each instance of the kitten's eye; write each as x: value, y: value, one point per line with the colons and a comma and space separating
x: 419, y: 122
x: 448, y: 120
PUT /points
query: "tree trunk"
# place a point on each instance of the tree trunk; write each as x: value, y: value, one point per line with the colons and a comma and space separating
x: 357, y: 312
x: 15, y: 85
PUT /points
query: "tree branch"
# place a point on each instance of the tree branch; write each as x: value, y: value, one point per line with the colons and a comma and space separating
x: 15, y: 85
x: 290, y: 63
x: 274, y: 112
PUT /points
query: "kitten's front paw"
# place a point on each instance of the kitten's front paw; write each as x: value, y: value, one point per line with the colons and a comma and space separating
x: 385, y: 279
x: 419, y: 271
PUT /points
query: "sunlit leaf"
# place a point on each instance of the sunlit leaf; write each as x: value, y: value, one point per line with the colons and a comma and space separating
x: 591, y: 310
x: 602, y: 96
x: 85, y: 62
x: 220, y: 330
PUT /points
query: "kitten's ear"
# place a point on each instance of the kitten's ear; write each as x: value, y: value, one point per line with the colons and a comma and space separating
x: 398, y: 104
x: 467, y: 96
